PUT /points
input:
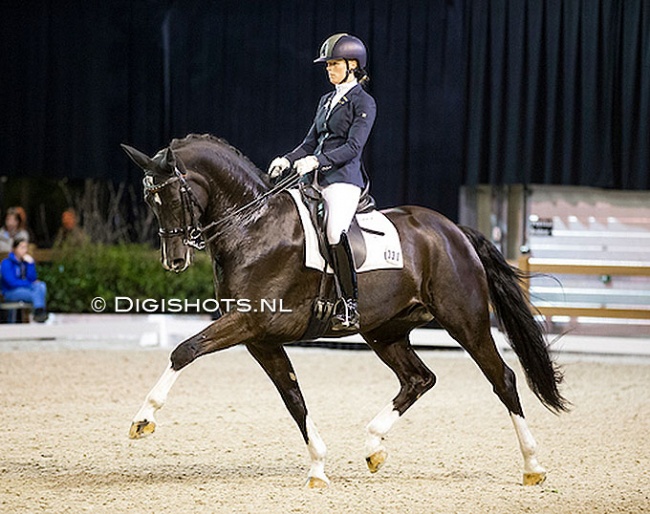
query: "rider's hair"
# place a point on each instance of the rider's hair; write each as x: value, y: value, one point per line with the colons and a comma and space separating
x: 362, y: 76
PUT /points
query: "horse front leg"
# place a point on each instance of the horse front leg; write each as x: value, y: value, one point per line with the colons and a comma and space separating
x: 144, y: 422
x: 415, y: 379
x: 275, y: 362
x: 227, y: 331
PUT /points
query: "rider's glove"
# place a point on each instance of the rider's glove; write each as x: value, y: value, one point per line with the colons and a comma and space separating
x: 306, y: 164
x: 278, y: 166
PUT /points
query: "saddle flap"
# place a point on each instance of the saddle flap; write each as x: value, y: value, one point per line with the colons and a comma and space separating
x: 357, y: 244
x: 373, y: 237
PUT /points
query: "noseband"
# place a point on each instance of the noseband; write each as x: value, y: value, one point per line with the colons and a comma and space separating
x: 191, y: 230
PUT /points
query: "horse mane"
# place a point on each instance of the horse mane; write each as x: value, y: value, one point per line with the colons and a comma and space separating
x: 177, y: 144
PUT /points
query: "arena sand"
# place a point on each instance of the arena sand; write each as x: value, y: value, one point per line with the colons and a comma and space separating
x: 225, y: 442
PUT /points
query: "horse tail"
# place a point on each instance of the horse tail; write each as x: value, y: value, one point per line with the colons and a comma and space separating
x: 524, y: 334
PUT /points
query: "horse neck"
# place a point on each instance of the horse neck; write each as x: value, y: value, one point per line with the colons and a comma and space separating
x: 223, y: 189
x: 229, y: 185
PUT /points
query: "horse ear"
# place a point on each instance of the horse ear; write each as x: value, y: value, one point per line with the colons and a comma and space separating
x: 180, y: 165
x: 142, y: 160
x: 170, y: 159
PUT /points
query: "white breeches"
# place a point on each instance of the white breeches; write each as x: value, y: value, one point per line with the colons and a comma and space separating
x: 341, y: 200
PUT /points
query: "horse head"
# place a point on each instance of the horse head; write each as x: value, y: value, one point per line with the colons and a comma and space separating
x: 177, y: 198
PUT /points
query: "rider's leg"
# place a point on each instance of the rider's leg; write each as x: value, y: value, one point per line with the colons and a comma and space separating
x: 342, y: 200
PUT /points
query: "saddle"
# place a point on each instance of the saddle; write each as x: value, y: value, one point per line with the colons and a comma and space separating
x: 324, y: 305
x: 313, y: 200
x: 373, y: 239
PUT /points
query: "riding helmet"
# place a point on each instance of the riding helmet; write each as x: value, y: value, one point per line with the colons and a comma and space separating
x: 343, y: 46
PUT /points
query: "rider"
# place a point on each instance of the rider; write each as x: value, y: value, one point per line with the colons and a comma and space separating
x: 333, y: 148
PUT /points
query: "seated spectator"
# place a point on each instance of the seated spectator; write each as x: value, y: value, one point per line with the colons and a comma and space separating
x: 19, y: 282
x: 15, y: 227
x: 70, y: 234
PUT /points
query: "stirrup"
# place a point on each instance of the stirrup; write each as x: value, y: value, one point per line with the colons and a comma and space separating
x: 348, y: 319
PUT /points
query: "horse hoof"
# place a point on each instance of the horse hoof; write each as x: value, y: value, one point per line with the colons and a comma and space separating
x: 317, y: 483
x: 534, y: 478
x: 376, y: 460
x: 141, y: 428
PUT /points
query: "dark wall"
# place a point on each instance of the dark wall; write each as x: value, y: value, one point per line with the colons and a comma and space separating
x: 559, y: 92
x: 468, y: 91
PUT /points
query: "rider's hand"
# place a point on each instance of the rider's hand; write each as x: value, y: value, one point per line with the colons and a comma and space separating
x: 306, y: 165
x: 278, y: 166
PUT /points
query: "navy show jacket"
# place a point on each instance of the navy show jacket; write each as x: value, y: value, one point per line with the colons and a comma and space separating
x: 338, y: 135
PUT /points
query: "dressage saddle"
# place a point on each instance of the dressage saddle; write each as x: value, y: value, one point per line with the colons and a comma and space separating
x: 313, y: 200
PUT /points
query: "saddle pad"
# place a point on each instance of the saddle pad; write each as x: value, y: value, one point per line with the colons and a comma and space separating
x: 384, y: 250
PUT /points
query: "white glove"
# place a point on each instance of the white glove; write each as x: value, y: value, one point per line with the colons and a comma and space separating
x: 306, y: 164
x: 278, y: 166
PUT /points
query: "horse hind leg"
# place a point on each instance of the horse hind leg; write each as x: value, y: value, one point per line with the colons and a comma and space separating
x: 504, y: 384
x: 477, y: 340
x: 534, y: 473
x: 414, y: 378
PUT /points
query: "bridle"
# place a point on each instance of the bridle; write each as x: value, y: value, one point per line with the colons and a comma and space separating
x: 191, y: 229
x: 193, y: 233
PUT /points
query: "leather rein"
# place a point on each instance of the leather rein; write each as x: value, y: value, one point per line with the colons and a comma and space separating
x: 193, y: 233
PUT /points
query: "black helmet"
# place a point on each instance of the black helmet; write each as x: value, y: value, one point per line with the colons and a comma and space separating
x: 343, y: 46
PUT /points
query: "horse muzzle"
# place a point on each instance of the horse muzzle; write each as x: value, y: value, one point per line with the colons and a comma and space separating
x: 176, y: 261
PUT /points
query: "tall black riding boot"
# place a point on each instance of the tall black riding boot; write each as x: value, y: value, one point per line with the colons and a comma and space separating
x: 347, y: 317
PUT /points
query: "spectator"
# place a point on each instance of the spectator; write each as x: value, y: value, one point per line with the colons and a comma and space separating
x: 15, y: 227
x: 19, y: 281
x: 70, y: 234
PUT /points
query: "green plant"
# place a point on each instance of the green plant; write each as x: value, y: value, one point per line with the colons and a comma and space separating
x: 78, y: 275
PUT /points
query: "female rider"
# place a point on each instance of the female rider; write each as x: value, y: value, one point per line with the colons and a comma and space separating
x: 332, y: 149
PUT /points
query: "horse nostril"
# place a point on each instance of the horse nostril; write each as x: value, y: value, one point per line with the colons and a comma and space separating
x: 178, y: 264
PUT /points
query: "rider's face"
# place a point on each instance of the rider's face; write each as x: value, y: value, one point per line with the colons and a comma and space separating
x: 336, y: 70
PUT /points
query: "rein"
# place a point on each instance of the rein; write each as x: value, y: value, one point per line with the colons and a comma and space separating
x: 283, y: 185
x: 193, y: 233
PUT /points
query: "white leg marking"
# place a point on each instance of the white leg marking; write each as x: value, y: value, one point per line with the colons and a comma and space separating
x: 527, y: 445
x: 157, y: 396
x: 379, y: 427
x: 317, y: 452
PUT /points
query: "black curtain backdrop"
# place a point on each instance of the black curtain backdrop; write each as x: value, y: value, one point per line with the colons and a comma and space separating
x: 468, y: 91
x: 559, y: 93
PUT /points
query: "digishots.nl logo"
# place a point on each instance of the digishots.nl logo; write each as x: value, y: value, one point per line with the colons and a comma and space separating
x: 127, y: 305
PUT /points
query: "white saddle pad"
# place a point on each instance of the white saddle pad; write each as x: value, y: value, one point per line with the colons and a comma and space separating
x: 383, y: 251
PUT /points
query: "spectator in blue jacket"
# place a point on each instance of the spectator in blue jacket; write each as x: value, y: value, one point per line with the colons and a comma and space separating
x: 19, y: 281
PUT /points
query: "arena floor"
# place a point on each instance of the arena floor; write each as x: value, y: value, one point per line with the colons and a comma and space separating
x: 225, y: 442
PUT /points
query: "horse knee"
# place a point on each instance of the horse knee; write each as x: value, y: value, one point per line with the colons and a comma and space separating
x: 411, y: 391
x: 426, y: 382
x: 183, y: 355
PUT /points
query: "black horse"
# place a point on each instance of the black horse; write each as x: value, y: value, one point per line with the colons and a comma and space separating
x: 202, y: 189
